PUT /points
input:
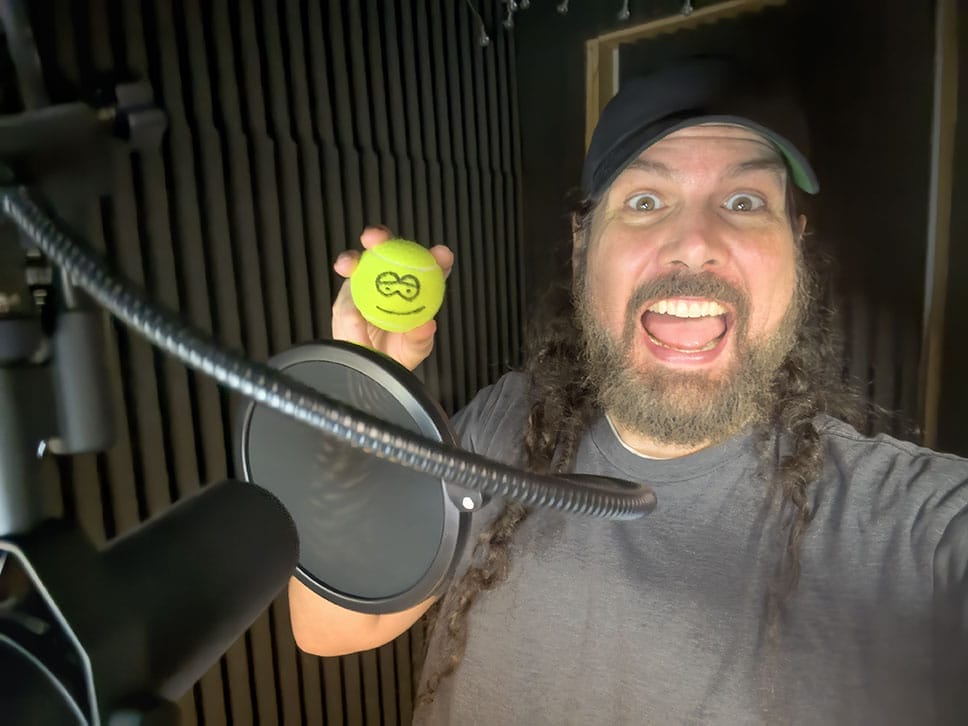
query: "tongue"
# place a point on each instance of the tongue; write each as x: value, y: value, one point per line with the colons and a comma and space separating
x: 684, y: 333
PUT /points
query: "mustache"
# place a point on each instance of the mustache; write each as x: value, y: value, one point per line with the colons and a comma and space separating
x: 690, y: 284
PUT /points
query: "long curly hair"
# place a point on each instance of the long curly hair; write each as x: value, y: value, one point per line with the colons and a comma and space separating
x: 809, y: 382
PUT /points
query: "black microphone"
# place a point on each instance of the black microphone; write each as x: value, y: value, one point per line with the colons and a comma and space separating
x: 196, y: 577
x: 148, y: 615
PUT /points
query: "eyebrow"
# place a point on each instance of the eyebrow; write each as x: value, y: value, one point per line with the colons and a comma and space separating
x: 771, y: 163
x: 652, y: 166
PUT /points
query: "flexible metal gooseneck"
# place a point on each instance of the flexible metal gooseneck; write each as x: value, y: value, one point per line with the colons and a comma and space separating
x: 595, y: 496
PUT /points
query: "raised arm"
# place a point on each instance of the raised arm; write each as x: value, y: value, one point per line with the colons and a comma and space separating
x: 319, y: 626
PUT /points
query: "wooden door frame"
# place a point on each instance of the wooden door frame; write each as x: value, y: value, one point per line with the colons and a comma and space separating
x: 601, y: 52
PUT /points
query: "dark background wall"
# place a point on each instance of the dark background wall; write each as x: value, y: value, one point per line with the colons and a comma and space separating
x: 864, y: 70
x: 952, y: 426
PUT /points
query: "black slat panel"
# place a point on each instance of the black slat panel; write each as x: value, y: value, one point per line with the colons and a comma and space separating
x: 291, y: 124
x: 464, y: 295
x: 227, y: 115
x: 475, y: 120
x: 323, y: 115
x: 507, y: 215
x: 311, y: 184
x: 437, y: 374
x: 447, y: 91
x: 515, y: 254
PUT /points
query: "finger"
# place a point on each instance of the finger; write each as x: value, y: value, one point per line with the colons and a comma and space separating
x: 422, y: 333
x: 444, y: 257
x: 348, y: 323
x: 374, y: 235
x: 346, y: 262
x: 416, y: 344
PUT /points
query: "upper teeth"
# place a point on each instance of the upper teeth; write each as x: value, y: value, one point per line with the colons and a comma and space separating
x: 687, y: 309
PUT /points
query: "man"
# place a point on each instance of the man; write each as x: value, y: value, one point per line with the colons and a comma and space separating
x: 794, y: 570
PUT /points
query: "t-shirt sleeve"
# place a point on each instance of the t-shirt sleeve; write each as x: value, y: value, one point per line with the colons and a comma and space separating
x: 951, y: 568
x: 951, y: 603
x: 493, y: 423
x: 917, y: 499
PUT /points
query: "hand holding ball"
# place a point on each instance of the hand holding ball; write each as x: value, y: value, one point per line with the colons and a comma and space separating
x: 397, y: 285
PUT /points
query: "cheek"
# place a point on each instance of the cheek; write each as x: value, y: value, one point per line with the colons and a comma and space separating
x: 611, y: 275
x: 599, y: 290
x: 772, y: 285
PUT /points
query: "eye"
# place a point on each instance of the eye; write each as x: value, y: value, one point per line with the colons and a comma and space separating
x: 744, y: 203
x: 645, y: 202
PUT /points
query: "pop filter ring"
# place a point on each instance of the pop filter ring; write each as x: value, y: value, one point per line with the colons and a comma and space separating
x: 260, y: 460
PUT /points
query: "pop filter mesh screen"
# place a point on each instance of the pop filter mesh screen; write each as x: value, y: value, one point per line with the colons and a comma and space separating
x: 367, y: 528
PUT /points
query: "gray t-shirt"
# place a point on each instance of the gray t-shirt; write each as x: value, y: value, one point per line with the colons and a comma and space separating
x: 663, y: 619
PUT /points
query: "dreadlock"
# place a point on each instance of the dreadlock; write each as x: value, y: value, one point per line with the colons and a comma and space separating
x: 562, y: 406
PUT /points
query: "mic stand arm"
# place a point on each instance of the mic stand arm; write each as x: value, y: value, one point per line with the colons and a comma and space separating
x: 26, y: 399
x: 112, y: 635
x: 60, y: 652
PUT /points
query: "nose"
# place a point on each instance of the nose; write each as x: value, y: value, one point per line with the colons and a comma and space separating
x: 695, y: 242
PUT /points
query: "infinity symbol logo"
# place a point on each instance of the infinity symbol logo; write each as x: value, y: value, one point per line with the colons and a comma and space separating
x: 389, y: 284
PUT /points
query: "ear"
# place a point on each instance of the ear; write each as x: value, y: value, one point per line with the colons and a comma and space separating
x: 801, y: 226
x: 575, y: 228
x: 577, y: 240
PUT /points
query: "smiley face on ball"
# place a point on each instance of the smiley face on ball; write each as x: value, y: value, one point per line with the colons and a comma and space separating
x: 400, y: 293
x: 397, y: 285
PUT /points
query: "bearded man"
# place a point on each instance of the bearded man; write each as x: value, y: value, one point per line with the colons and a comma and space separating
x: 794, y: 570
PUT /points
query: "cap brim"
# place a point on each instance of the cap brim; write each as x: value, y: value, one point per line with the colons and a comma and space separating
x: 801, y: 172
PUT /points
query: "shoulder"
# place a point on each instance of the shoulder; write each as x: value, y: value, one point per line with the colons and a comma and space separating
x: 900, y: 475
x: 888, y: 455
x: 899, y: 497
x: 496, y: 417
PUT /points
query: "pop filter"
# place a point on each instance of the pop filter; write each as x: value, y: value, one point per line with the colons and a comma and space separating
x: 374, y: 536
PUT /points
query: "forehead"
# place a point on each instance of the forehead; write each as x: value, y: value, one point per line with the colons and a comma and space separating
x: 723, y: 139
x: 705, y: 152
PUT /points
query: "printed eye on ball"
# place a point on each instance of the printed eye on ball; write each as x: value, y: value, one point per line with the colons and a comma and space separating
x: 397, y: 285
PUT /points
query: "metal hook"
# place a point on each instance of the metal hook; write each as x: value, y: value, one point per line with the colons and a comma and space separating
x: 509, y: 18
x: 482, y: 37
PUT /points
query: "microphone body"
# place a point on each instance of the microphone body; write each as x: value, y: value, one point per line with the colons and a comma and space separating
x: 148, y: 615
x: 199, y: 575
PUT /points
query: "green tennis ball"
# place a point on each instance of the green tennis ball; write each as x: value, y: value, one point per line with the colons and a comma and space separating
x: 397, y: 285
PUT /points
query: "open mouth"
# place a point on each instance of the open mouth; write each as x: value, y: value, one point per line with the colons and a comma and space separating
x: 688, y: 326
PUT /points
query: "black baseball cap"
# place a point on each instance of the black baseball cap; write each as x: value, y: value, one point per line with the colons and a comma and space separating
x: 696, y: 91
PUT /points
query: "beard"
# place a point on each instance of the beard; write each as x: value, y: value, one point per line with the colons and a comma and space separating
x: 684, y: 408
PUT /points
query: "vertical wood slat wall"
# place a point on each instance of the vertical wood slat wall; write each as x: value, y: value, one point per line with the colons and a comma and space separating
x: 291, y: 125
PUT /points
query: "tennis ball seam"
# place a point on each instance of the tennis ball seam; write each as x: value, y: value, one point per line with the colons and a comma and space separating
x: 424, y: 268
